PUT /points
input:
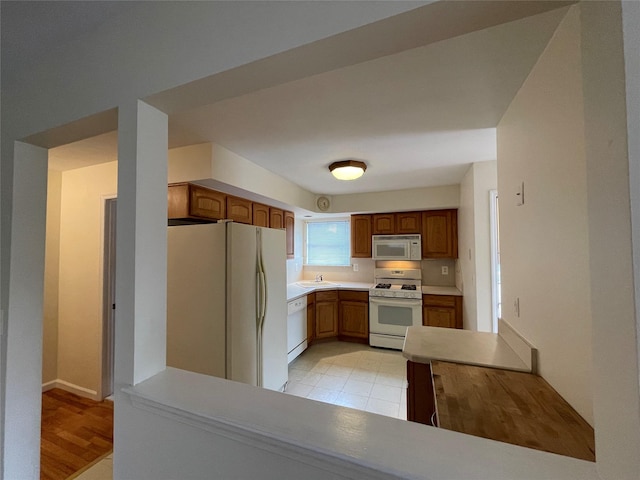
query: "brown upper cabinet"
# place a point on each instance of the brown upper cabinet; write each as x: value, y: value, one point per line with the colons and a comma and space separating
x: 408, y: 222
x: 239, y: 209
x: 260, y: 215
x: 289, y: 221
x: 190, y: 203
x: 438, y: 228
x: 193, y: 202
x: 276, y: 218
x: 383, y: 224
x: 361, y: 236
x: 398, y: 223
x: 440, y: 234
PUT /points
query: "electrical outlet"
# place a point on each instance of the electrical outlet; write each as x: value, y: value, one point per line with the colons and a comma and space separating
x: 355, y: 267
x: 445, y: 270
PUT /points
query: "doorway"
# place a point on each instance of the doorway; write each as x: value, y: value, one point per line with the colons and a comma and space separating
x: 109, y: 297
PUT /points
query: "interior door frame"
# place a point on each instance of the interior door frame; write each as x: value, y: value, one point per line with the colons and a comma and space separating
x: 109, y: 291
x: 495, y: 259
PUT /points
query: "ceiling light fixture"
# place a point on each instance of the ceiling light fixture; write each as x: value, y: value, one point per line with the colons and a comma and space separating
x: 347, y: 169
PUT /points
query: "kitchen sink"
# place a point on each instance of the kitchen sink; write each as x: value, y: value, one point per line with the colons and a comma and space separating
x: 313, y: 283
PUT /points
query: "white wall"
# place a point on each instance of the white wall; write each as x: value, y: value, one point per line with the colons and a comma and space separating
x: 474, y: 244
x: 544, y: 243
x: 612, y: 173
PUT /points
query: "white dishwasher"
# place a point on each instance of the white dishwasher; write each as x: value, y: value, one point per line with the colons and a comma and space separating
x: 296, y: 328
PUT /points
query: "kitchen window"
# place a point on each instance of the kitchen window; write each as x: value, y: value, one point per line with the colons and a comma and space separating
x: 328, y: 243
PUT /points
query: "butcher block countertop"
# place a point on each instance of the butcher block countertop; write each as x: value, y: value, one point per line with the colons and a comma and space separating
x: 511, y: 407
x: 482, y: 384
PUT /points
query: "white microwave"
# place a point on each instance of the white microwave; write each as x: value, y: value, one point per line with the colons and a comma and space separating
x: 397, y: 247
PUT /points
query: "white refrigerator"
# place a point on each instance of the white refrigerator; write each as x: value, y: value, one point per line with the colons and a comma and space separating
x: 226, y: 302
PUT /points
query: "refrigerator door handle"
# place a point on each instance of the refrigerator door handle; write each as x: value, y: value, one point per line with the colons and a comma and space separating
x: 263, y: 300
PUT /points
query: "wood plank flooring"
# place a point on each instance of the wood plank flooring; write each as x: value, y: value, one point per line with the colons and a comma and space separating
x: 75, y: 432
x: 512, y: 407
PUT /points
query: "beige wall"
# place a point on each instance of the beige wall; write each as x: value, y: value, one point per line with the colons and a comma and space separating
x: 467, y: 251
x: 426, y: 198
x: 51, y: 270
x: 208, y: 161
x: 80, y: 276
x: 544, y: 243
x: 485, y: 180
x: 474, y: 244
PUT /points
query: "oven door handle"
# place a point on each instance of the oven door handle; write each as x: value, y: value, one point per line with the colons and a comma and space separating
x: 396, y: 302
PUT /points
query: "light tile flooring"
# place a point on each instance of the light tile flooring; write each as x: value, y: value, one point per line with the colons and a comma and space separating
x: 101, y: 470
x: 341, y: 373
x: 352, y: 375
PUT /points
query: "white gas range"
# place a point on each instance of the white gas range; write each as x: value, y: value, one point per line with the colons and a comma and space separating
x: 395, y: 303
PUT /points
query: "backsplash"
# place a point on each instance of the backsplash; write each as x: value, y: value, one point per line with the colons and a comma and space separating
x: 344, y: 274
x: 431, y: 271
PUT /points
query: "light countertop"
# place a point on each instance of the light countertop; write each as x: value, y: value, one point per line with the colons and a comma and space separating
x: 430, y: 290
x: 424, y: 344
x: 295, y: 291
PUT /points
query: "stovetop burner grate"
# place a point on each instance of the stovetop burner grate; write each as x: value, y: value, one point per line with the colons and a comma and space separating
x: 383, y: 285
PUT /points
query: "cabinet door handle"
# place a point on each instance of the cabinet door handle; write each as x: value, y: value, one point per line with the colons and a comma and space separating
x: 432, y: 420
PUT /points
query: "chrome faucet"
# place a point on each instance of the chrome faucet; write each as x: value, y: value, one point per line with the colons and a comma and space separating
x: 319, y: 277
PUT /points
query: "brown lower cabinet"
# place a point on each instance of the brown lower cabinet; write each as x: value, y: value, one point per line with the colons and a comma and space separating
x: 442, y: 311
x: 354, y: 315
x: 326, y: 314
x: 311, y: 317
x: 421, y: 397
x: 343, y: 314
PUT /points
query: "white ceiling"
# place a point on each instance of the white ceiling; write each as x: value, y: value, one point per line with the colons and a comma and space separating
x: 417, y: 118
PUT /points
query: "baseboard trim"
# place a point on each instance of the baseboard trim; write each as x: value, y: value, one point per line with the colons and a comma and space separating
x: 72, y: 388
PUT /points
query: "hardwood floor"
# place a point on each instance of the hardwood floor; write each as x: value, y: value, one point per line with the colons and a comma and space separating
x: 75, y: 432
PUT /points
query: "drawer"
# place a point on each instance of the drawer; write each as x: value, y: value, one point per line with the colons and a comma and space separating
x: 354, y: 295
x: 327, y: 296
x: 439, y: 300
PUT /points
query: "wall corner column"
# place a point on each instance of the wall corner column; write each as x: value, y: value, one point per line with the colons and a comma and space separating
x: 141, y: 244
x: 23, y: 322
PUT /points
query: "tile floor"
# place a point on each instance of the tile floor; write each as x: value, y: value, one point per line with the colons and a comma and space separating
x: 101, y: 470
x: 352, y: 375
